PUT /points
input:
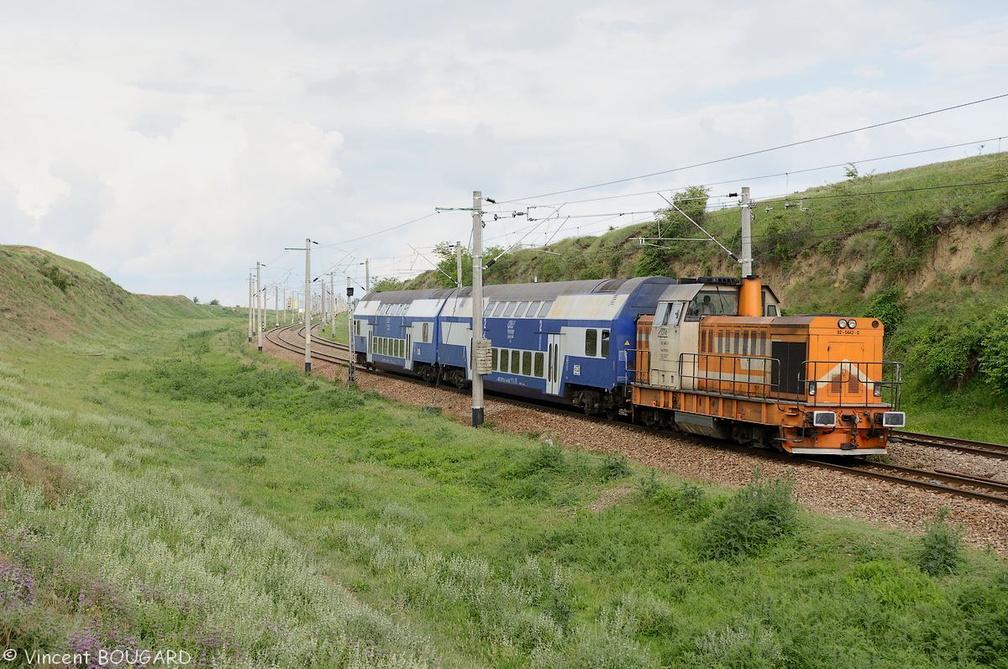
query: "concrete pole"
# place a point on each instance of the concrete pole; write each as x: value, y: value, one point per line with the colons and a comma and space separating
x: 276, y: 305
x: 458, y: 263
x: 323, y: 303
x: 746, y: 234
x: 250, y: 310
x: 307, y: 306
x: 477, y: 301
x: 367, y: 275
x: 332, y: 312
x: 259, y: 303
x: 350, y: 366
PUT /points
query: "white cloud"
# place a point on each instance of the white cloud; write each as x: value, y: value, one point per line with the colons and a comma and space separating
x: 172, y: 145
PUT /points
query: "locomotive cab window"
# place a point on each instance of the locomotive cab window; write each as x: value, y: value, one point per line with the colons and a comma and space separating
x: 711, y: 303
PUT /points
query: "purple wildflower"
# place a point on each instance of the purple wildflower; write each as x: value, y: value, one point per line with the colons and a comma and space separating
x: 17, y: 585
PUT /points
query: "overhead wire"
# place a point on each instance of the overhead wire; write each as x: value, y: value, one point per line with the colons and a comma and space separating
x: 758, y: 151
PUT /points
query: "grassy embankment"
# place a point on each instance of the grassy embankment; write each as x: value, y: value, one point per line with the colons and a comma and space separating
x: 170, y: 487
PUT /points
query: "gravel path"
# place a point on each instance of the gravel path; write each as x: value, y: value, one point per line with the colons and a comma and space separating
x: 826, y: 492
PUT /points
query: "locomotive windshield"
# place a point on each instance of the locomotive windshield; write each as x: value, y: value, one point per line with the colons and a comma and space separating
x: 712, y: 303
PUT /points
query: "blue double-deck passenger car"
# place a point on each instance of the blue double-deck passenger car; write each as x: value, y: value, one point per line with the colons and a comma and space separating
x: 565, y: 342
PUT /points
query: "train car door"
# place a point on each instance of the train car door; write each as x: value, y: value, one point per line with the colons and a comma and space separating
x: 554, y: 364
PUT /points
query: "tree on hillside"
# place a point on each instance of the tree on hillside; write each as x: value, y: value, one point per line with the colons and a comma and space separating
x: 446, y: 272
x: 660, y: 249
x: 386, y: 284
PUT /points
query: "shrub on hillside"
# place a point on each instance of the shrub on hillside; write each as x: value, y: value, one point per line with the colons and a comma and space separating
x: 887, y: 305
x: 755, y: 516
x: 994, y: 357
x: 947, y: 352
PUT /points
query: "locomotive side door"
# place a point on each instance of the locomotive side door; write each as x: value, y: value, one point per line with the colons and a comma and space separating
x: 554, y: 364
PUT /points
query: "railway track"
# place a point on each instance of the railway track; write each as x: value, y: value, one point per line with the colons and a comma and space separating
x: 291, y: 338
x: 999, y: 451
x: 962, y: 485
x: 333, y: 352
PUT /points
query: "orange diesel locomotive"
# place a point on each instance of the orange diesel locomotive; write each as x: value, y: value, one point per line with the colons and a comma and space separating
x: 718, y: 359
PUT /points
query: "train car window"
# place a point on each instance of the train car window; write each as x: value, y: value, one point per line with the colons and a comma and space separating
x: 527, y: 363
x: 425, y: 333
x: 493, y: 358
x: 489, y: 308
x: 504, y: 358
x: 745, y: 343
x: 545, y: 308
x: 500, y: 308
x: 510, y: 309
x: 591, y: 343
x: 735, y: 345
x: 605, y: 344
x: 515, y: 362
x: 538, y: 371
x: 520, y: 311
x: 533, y: 309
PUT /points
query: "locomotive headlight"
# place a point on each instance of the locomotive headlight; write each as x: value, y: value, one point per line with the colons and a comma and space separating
x: 842, y: 323
x: 878, y: 389
x: 852, y: 324
x: 811, y: 388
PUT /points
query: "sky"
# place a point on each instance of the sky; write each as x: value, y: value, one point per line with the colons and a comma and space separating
x: 173, y: 145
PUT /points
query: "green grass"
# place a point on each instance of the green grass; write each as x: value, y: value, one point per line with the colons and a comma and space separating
x: 177, y: 489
